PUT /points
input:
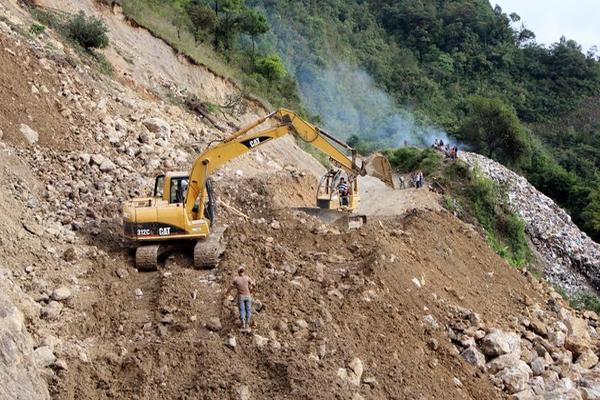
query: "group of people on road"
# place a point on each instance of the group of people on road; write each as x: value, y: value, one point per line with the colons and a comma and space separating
x: 417, y: 180
x: 450, y: 152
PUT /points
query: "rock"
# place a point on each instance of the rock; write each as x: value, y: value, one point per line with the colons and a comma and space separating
x: 498, y: 342
x: 557, y: 338
x: 503, y: 362
x: 20, y: 376
x: 145, y: 137
x: 29, y: 134
x: 577, y: 344
x: 527, y: 394
x: 138, y: 292
x: 430, y: 322
x: 231, y: 342
x: 578, y: 327
x: 259, y: 341
x: 122, y: 273
x: 62, y: 293
x: 243, y: 392
x: 51, y: 312
x: 342, y: 373
x: 355, y: 371
x: 159, y: 126
x: 473, y: 357
x: 357, y: 396
x: 589, y: 394
x: 1, y: 134
x: 300, y: 324
x: 44, y: 356
x: 61, y: 364
x: 587, y: 359
x: 539, y: 327
x: 538, y: 366
x: 70, y: 254
x: 107, y: 166
x: 515, y: 378
x: 97, y: 159
x: 214, y: 324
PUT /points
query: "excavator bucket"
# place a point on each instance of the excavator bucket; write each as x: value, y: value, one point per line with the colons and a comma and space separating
x: 378, y: 165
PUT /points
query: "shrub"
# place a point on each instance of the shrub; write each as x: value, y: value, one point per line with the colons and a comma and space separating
x: 37, y: 29
x: 270, y: 67
x: 90, y: 32
x: 408, y: 159
x: 586, y: 301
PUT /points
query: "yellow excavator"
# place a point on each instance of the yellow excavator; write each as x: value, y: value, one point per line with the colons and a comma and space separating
x: 182, y: 208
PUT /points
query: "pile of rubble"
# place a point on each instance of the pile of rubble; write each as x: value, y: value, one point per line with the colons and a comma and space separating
x: 550, y: 354
x: 572, y: 258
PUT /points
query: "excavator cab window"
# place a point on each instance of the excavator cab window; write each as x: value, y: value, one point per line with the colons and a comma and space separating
x: 158, y: 186
x: 178, y: 189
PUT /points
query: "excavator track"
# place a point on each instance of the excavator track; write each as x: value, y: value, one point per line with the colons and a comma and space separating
x: 208, y: 251
x: 146, y: 257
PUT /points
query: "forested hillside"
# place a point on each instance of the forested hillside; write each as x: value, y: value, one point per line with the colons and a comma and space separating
x: 393, y: 71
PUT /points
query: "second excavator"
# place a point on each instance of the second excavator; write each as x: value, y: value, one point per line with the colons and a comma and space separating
x: 182, y: 208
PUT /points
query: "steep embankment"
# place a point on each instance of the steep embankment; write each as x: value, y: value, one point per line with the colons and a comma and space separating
x: 398, y: 309
x: 572, y: 258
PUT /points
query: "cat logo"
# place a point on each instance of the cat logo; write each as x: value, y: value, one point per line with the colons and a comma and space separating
x: 164, y: 231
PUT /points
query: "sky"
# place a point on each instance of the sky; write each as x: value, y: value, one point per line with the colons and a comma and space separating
x: 551, y: 19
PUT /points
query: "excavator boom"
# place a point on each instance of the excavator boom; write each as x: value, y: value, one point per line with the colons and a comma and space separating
x: 164, y: 218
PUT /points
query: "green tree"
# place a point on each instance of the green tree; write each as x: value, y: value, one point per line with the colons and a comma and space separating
x: 201, y: 18
x: 493, y: 128
x: 254, y: 23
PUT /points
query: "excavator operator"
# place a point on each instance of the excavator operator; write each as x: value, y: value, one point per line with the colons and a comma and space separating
x: 344, y: 191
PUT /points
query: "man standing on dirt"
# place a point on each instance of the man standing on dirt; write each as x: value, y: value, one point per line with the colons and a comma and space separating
x: 243, y: 284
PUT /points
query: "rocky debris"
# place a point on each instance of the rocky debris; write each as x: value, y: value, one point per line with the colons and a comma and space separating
x: 572, y: 257
x: 19, y: 371
x: 29, y: 134
x: 524, y: 364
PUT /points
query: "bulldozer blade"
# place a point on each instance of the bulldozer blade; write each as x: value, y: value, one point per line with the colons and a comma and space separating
x: 378, y: 166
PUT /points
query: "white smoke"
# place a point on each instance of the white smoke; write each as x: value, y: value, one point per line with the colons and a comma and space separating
x: 349, y: 102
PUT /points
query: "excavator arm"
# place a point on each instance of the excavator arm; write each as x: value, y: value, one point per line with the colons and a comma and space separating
x: 282, y: 122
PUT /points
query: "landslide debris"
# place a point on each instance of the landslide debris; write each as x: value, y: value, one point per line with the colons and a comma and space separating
x: 398, y: 309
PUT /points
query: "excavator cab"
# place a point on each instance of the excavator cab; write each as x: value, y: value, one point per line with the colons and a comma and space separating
x: 329, y: 196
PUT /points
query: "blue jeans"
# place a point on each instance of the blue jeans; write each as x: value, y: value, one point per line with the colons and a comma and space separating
x: 245, y: 304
